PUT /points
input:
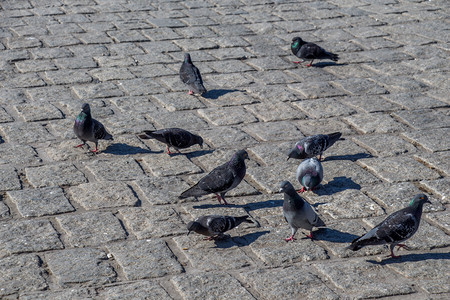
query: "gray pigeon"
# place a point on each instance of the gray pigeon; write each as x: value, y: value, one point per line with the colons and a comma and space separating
x: 190, y: 76
x: 306, y: 50
x: 214, y: 226
x: 396, y: 228
x: 309, y: 174
x: 297, y: 212
x: 313, y: 145
x: 220, y: 180
x: 175, y: 137
x: 88, y: 129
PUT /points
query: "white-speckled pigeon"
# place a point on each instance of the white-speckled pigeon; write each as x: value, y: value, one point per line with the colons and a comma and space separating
x: 175, y: 137
x: 306, y: 50
x: 309, y: 174
x: 190, y: 75
x: 220, y: 180
x: 297, y: 212
x: 88, y: 129
x: 396, y: 228
x: 313, y: 145
x: 214, y: 226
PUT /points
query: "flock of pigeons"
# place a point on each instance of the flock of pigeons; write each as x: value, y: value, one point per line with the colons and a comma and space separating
x: 396, y: 228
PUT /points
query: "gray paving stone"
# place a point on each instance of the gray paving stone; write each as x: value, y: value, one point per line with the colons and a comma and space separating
x: 424, y: 119
x: 73, y: 293
x: 22, y: 273
x: 161, y: 190
x: 101, y: 90
x: 376, y: 281
x: 271, y: 154
x: 74, y: 63
x: 313, y: 90
x: 151, y: 222
x: 4, y: 211
x: 439, y: 187
x: 40, y: 202
x: 209, y: 286
x: 440, y: 219
x: 233, y: 80
x: 25, y: 133
x: 150, y: 290
x: 346, y: 174
x: 375, y: 123
x: 54, y: 175
x: 178, y: 101
x: 11, y: 96
x: 385, y: 144
x: 430, y: 139
x: 87, y: 266
x: 312, y: 126
x: 225, y: 98
x: 68, y: 76
x: 24, y: 81
x: 272, y: 131
x: 28, y: 236
x: 18, y: 154
x: 227, y: 116
x: 413, y: 101
x: 275, y: 111
x: 145, y: 259
x: 115, y: 170
x: 397, y: 169
x: 9, y: 179
x: 164, y: 165
x: 34, y: 65
x: 38, y: 112
x: 226, y: 136
x: 95, y: 195
x: 324, y: 108
x: 182, y: 119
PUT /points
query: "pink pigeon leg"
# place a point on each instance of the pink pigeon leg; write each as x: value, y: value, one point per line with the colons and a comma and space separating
x: 191, y: 92
x: 291, y: 238
x: 302, y: 190
x: 80, y: 145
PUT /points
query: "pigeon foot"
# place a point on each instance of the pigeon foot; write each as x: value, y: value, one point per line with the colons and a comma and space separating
x: 168, y: 151
x: 310, y: 236
x: 291, y: 238
x: 309, y: 65
x: 191, y: 92
x: 95, y: 150
x: 297, y: 62
x: 402, y: 246
x: 78, y: 146
x: 302, y: 190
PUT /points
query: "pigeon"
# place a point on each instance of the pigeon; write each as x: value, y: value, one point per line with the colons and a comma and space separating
x: 313, y: 145
x: 309, y: 174
x: 297, y: 212
x: 214, y: 225
x: 306, y: 50
x: 190, y: 76
x: 220, y: 180
x: 175, y: 137
x: 88, y: 129
x: 396, y: 228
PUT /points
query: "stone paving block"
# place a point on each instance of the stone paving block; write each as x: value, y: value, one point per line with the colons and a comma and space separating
x: 10, y: 96
x: 73, y: 293
x: 229, y: 81
x: 9, y: 179
x: 18, y: 154
x: 272, y: 131
x: 230, y: 53
x: 345, y: 150
x: 28, y: 236
x: 25, y: 133
x: 397, y: 169
x: 346, y: 175
x: 87, y: 266
x: 75, y: 63
x: 227, y: 116
x: 100, y: 90
x: 272, y: 77
x: 182, y: 119
x: 440, y: 187
x: 385, y: 144
x: 209, y: 286
x: 38, y: 112
x: 226, y: 136
x: 142, y: 104
x: 68, y: 76
x: 26, y: 80
x: 123, y: 36
x: 438, y: 160
x: 440, y: 219
x: 91, y: 228
x: 126, y: 123
x: 137, y: 290
x: 22, y: 273
x: 34, y: 66
x: 164, y: 165
x: 195, y: 44
x: 350, y: 277
x: 51, y: 93
x: 314, y: 90
x: 22, y: 42
x: 228, y: 97
x: 54, y: 175
x: 108, y: 74
x: 431, y: 139
x: 115, y: 170
x: 324, y: 108
x: 229, y: 66
x: 66, y: 151
x: 145, y: 259
x: 275, y: 111
x: 4, y: 211
x: 40, y: 202
x: 178, y: 101
x: 269, y: 63
x: 412, y: 101
x: 271, y: 154
x: 268, y: 177
x: 312, y: 126
x: 158, y: 34
x: 375, y: 123
x: 291, y: 283
x: 424, y: 119
x: 152, y: 222
x: 95, y: 195
x: 161, y: 190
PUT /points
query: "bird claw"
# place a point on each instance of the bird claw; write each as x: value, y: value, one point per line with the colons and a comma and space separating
x: 292, y: 238
x: 297, y: 62
x: 302, y: 190
x: 190, y: 93
x: 78, y: 146
x: 94, y: 151
x: 309, y: 65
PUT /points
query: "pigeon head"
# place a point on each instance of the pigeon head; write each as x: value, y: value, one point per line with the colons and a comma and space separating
x: 286, y: 186
x: 199, y: 141
x: 187, y: 58
x: 86, y: 108
x: 297, y: 152
x: 193, y: 226
x: 419, y: 200
x: 297, y: 42
x: 242, y: 154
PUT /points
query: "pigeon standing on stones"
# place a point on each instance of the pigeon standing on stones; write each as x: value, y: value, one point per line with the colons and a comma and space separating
x: 297, y: 212
x: 220, y: 180
x: 305, y: 50
x: 88, y: 129
x: 176, y: 137
x: 214, y: 226
x: 313, y: 145
x: 309, y: 174
x: 396, y: 228
x: 190, y: 75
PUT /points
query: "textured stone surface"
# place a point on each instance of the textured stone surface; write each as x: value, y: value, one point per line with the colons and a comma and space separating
x: 115, y: 170
x: 55, y: 175
x: 138, y: 290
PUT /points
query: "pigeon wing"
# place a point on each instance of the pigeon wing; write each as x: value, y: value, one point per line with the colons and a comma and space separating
x: 100, y: 131
x: 311, y: 51
x: 218, y: 180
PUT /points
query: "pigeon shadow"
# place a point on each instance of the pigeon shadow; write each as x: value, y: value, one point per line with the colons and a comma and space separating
x: 334, y: 236
x: 249, y: 238
x: 411, y: 258
x: 338, y: 184
x: 199, y: 153
x: 324, y: 64
x: 263, y: 204
x: 351, y: 157
x: 215, y: 94
x: 124, y: 149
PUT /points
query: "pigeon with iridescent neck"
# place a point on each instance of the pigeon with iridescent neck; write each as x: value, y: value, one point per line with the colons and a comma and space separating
x: 309, y: 174
x: 305, y: 50
x: 214, y: 226
x: 313, y: 145
x: 175, y: 137
x: 190, y: 75
x: 88, y: 129
x: 396, y: 228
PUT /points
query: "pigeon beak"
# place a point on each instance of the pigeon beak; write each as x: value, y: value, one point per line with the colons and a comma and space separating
x: 287, y: 158
x: 201, y: 146
x: 188, y: 232
x: 280, y: 190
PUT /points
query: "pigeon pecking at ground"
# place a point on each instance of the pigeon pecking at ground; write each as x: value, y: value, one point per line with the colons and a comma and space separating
x: 214, y: 226
x: 88, y: 129
x: 396, y: 228
x: 190, y: 75
x: 220, y: 180
x: 176, y: 137
x: 297, y: 212
x: 305, y: 50
x: 309, y: 174
x: 313, y: 145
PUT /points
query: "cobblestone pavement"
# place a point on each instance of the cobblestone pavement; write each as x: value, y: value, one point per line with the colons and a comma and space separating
x: 74, y: 225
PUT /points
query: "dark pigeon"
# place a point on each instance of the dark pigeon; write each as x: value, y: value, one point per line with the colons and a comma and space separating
x: 313, y: 145
x: 175, y: 137
x: 309, y: 174
x: 88, y: 129
x: 297, y: 212
x: 221, y: 179
x: 190, y: 76
x: 214, y: 226
x: 396, y: 228
x: 306, y: 50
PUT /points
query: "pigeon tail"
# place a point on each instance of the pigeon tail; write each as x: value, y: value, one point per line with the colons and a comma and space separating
x: 199, y: 88
x: 334, y: 137
x: 332, y: 56
x: 239, y: 220
x: 147, y: 135
x: 355, y: 245
x: 194, y: 191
